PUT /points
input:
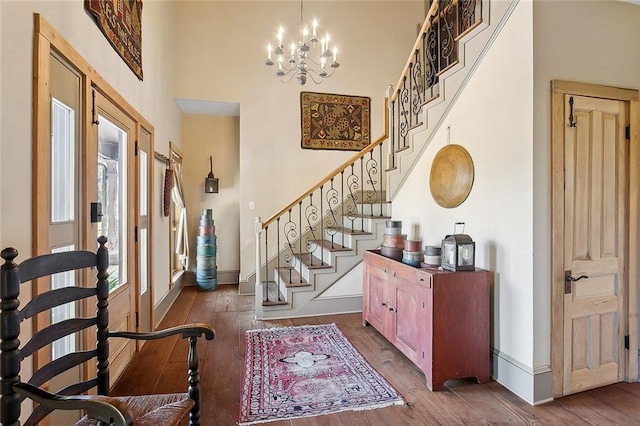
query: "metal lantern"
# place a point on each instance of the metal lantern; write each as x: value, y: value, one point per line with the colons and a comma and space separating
x: 211, y: 182
x: 458, y: 252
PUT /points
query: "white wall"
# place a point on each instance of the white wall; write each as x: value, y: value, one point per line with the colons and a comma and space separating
x: 223, y: 48
x: 583, y: 41
x: 150, y: 97
x: 492, y: 119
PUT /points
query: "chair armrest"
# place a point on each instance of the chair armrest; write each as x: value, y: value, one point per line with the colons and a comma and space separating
x: 108, y: 410
x: 186, y: 330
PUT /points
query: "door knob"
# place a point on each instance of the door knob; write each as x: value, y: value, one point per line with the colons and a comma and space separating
x: 574, y: 279
x: 568, y: 279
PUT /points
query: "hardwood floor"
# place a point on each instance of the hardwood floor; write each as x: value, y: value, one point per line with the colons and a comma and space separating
x: 161, y: 367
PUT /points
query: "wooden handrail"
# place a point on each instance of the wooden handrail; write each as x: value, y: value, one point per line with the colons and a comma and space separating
x: 433, y: 10
x: 339, y: 169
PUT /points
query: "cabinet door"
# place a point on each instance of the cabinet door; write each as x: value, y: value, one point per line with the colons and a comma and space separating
x: 408, y: 312
x: 376, y: 303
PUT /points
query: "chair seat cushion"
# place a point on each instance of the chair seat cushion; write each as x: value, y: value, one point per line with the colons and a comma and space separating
x: 151, y: 410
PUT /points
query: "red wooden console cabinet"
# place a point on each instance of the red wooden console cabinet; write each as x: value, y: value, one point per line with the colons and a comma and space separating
x: 438, y: 319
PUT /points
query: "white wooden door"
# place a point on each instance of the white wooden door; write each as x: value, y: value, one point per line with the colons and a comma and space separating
x: 596, y: 211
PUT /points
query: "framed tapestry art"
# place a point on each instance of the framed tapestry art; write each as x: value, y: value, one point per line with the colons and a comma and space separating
x: 332, y: 121
x: 121, y: 23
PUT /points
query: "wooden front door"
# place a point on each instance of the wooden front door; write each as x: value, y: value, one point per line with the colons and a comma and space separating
x: 112, y: 171
x: 595, y: 242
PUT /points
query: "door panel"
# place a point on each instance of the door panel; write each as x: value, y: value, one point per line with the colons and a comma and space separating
x: 407, y: 312
x: 376, y: 278
x: 595, y: 226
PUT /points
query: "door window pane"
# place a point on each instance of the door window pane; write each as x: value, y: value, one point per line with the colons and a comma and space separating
x: 62, y: 162
x: 144, y: 253
x: 144, y: 183
x: 112, y: 195
x: 65, y: 344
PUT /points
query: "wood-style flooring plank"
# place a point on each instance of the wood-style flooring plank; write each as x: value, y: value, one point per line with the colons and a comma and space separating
x: 144, y: 371
x: 586, y: 407
x: 161, y: 367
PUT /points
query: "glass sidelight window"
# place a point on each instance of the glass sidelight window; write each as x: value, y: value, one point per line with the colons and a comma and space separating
x: 62, y: 162
x: 60, y: 313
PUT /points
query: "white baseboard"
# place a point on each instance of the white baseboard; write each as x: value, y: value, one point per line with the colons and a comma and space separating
x: 161, y: 309
x: 535, y: 386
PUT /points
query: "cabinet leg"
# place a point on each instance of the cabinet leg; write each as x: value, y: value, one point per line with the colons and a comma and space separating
x: 483, y: 378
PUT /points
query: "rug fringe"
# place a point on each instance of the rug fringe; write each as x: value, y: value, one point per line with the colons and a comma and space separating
x: 372, y: 407
x: 290, y: 326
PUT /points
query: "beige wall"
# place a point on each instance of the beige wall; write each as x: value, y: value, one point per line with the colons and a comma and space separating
x: 223, y: 47
x: 218, y: 136
x: 492, y: 119
x: 586, y: 41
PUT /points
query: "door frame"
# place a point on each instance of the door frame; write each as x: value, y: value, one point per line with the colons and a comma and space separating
x: 47, y: 41
x: 559, y: 88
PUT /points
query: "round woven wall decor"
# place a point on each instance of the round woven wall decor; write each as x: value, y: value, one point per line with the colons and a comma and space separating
x: 451, y: 176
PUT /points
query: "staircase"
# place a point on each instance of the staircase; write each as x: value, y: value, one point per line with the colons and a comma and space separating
x: 309, y: 254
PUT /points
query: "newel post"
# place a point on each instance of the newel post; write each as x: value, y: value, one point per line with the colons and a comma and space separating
x: 390, y: 130
x: 258, y: 289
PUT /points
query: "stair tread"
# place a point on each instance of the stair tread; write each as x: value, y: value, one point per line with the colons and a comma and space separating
x: 312, y: 262
x: 332, y: 247
x: 274, y: 303
x: 349, y: 231
x: 291, y: 278
x: 371, y: 216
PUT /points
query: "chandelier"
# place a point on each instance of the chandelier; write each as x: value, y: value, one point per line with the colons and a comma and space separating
x: 300, y: 60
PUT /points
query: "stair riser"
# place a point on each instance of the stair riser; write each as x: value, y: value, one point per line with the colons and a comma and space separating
x: 375, y: 209
x: 357, y: 224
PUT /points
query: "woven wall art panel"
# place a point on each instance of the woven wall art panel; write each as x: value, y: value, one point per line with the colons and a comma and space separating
x: 121, y: 23
x: 332, y: 121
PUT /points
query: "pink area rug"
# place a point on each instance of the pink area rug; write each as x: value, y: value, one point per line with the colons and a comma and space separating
x: 293, y: 372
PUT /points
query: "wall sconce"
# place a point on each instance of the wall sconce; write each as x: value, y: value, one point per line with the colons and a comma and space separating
x: 211, y: 182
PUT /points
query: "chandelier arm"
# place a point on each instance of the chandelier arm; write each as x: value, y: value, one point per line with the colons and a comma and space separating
x: 314, y: 62
x: 286, y: 80
x: 310, y: 75
x: 311, y: 71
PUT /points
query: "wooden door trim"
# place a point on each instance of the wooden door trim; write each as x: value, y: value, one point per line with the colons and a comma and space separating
x: 558, y: 117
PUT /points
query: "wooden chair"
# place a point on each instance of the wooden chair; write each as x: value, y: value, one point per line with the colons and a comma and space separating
x: 100, y: 409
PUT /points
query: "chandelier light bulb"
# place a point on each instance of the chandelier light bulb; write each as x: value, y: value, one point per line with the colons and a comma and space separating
x: 309, y: 56
x: 269, y: 62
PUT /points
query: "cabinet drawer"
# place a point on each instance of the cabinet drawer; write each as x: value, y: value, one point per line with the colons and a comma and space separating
x: 414, y: 275
x: 424, y: 279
